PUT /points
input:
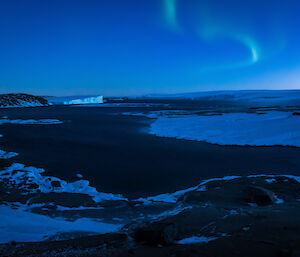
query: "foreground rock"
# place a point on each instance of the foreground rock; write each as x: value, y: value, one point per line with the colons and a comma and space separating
x: 21, y: 100
x: 160, y: 233
x: 237, y: 217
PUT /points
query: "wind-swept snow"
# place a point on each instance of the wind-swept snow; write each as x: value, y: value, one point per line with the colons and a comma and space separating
x: 271, y: 128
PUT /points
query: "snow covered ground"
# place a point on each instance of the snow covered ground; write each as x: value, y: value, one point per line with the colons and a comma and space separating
x: 271, y: 128
x: 18, y: 225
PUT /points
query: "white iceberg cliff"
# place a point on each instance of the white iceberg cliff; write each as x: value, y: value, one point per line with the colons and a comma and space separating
x: 87, y: 100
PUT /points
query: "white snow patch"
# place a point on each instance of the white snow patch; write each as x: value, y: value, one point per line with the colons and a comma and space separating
x: 273, y: 128
x: 7, y: 155
x: 173, y: 197
x: 270, y: 180
x: 30, y: 122
x: 196, y: 240
x: 278, y: 200
x: 253, y: 204
x: 80, y: 208
x: 18, y: 174
x: 172, y: 212
x: 166, y: 198
x: 18, y: 225
x: 297, y: 178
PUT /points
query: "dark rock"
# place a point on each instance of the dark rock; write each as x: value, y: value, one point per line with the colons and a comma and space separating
x: 32, y: 186
x: 296, y: 113
x: 258, y: 195
x: 157, y: 234
x: 55, y: 184
x: 286, y: 253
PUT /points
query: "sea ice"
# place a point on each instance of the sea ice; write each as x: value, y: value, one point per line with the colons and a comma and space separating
x: 272, y: 128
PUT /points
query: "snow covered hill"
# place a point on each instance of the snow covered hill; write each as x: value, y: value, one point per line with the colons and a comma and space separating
x: 21, y: 100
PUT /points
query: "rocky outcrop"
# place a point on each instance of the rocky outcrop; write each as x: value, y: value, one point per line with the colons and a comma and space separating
x: 223, y: 217
x: 258, y: 195
x: 21, y: 100
x: 157, y: 234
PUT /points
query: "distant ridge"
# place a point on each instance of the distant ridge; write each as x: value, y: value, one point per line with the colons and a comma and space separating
x: 248, y: 95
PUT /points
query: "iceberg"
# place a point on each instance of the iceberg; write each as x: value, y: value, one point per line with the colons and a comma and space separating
x: 87, y: 100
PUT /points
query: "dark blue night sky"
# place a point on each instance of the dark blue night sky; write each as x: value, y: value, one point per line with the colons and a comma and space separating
x: 129, y: 47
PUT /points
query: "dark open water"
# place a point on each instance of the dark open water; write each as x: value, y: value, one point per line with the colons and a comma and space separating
x: 116, y: 155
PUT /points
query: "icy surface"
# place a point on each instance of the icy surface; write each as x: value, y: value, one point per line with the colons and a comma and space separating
x: 272, y: 128
x: 18, y: 225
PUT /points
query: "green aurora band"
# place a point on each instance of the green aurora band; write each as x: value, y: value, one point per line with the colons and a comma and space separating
x: 213, y: 31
